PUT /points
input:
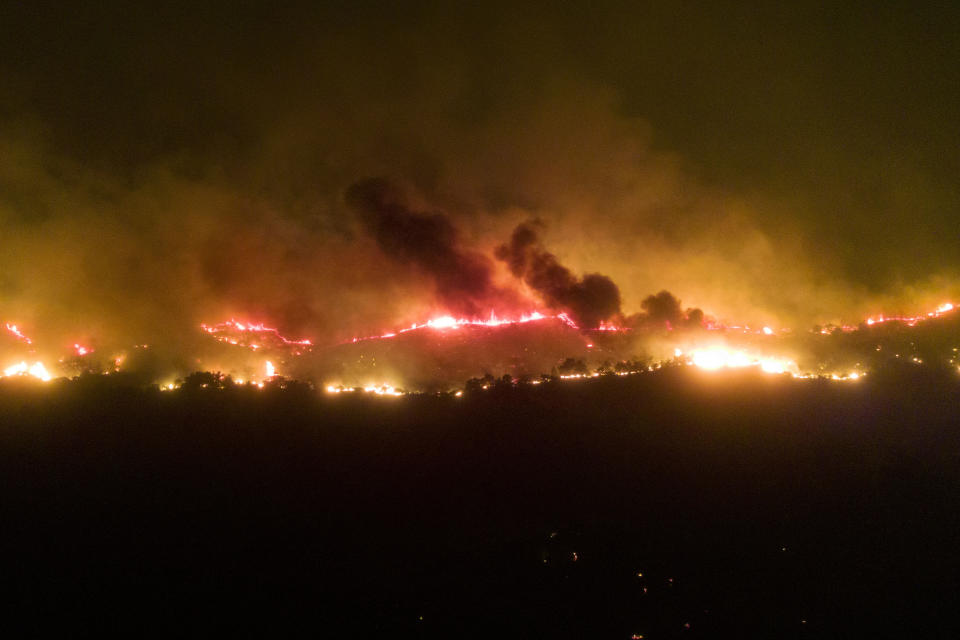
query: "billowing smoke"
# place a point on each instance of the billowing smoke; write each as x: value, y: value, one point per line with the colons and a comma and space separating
x: 160, y: 172
x: 589, y: 300
x: 663, y: 311
x: 431, y: 243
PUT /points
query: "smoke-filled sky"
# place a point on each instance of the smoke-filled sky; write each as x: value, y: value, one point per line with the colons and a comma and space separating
x: 770, y: 162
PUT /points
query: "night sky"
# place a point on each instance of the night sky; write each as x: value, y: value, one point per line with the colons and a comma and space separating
x: 162, y: 166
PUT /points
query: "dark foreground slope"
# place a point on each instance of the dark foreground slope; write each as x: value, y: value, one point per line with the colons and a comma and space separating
x: 753, y: 507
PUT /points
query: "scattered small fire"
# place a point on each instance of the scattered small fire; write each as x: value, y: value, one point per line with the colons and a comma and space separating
x: 81, y: 350
x: 715, y: 325
x: 380, y: 390
x: 253, y: 335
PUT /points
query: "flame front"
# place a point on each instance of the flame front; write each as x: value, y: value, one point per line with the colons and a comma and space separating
x: 449, y: 322
x: 18, y: 334
x: 257, y: 336
x: 253, y: 335
x: 37, y: 370
x: 714, y: 358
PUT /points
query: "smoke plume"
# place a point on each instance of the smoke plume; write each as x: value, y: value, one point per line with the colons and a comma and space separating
x: 663, y: 310
x: 589, y: 300
x: 429, y: 242
x: 163, y: 168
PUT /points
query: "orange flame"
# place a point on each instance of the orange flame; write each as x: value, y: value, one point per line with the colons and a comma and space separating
x: 448, y: 322
x: 37, y: 370
x: 253, y: 335
x: 12, y: 328
x: 81, y: 350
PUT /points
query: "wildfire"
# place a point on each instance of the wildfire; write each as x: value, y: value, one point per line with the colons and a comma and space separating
x: 714, y: 358
x: 257, y: 335
x: 910, y: 321
x: 253, y: 335
x: 718, y: 358
x: 81, y: 350
x: 447, y: 322
x: 37, y: 370
x: 18, y: 334
x: 380, y: 390
x: 715, y: 325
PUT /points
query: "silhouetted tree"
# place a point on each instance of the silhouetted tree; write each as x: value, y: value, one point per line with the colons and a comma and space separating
x: 202, y: 380
x: 572, y: 366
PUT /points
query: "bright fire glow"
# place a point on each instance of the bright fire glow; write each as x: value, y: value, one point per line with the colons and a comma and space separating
x: 12, y: 328
x: 443, y: 322
x: 37, y: 370
x: 253, y: 335
x: 714, y: 358
x: 379, y: 390
x: 910, y: 321
x: 447, y: 322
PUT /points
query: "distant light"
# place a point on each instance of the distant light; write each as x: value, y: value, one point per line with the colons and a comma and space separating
x: 768, y: 331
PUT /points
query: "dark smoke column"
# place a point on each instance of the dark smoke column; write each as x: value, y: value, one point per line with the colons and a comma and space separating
x: 428, y: 241
x: 588, y: 300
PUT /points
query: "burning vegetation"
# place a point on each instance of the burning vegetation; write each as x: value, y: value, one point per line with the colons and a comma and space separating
x: 514, y: 313
x: 442, y: 352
